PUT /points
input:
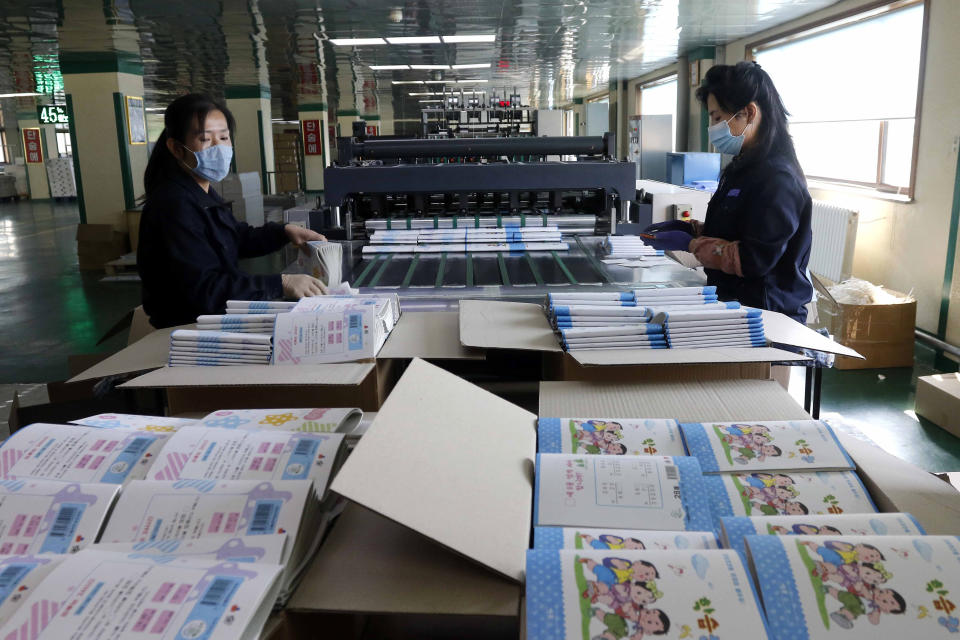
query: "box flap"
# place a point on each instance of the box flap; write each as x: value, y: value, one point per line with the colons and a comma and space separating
x: 261, y: 375
x: 428, y: 334
x: 492, y: 324
x: 724, y: 400
x: 783, y: 330
x: 724, y: 355
x: 452, y: 462
x: 150, y: 352
x: 369, y: 564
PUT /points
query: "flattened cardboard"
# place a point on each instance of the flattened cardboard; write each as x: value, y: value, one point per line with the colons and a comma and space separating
x: 433, y: 335
x: 150, y: 352
x: 894, y: 485
x: 563, y: 366
x: 369, y: 564
x: 347, y: 373
x: 492, y: 324
x: 783, y: 330
x: 452, y: 462
x: 938, y: 400
x: 139, y: 326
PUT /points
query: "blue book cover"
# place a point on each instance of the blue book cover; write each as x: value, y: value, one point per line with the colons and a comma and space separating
x: 610, y: 436
x: 859, y: 587
x: 624, y: 492
x: 591, y: 594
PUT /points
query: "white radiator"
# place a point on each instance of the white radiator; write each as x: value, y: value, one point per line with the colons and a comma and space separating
x: 834, y: 238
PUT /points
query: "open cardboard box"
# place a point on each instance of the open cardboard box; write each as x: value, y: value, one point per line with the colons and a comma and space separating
x: 514, y: 325
x: 938, y: 400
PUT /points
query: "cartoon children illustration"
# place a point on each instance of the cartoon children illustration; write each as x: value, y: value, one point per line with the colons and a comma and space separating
x: 765, y: 480
x: 746, y: 430
x: 801, y: 529
x: 879, y: 601
x: 653, y: 622
x: 759, y: 454
x: 837, y: 552
x: 601, y: 437
x: 612, y: 542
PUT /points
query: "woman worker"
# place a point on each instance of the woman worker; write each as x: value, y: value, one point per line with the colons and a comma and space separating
x: 190, y: 243
x: 755, y: 241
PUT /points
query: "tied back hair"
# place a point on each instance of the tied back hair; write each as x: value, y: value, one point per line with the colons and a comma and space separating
x: 178, y: 121
x: 736, y: 86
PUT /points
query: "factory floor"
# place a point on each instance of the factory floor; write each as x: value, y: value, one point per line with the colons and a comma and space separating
x: 49, y: 310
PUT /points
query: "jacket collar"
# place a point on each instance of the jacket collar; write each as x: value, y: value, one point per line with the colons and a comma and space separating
x: 189, y: 185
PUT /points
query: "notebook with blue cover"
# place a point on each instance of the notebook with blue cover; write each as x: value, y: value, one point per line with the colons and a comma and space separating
x: 621, y: 539
x: 610, y: 436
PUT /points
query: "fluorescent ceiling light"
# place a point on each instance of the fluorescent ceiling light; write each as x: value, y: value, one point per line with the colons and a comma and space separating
x: 407, y: 82
x: 472, y: 66
x: 28, y: 95
x: 470, y: 38
x: 389, y: 67
x: 415, y: 40
x: 438, y: 82
x: 471, y: 81
x: 356, y: 42
x: 429, y: 67
x: 440, y: 93
x: 422, y: 101
x: 155, y: 109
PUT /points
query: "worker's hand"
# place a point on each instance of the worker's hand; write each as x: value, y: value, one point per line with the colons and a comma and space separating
x: 299, y: 236
x: 299, y: 285
x: 670, y: 225
x: 670, y: 241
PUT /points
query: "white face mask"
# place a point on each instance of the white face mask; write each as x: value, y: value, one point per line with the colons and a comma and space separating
x: 213, y: 163
x: 723, y: 139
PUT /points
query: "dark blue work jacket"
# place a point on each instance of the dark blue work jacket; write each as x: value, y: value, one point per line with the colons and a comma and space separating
x: 188, y: 254
x: 766, y: 206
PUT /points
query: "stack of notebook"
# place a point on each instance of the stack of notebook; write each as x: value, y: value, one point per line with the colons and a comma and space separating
x: 215, y: 348
x: 696, y: 327
x: 510, y: 238
x: 265, y: 307
x: 628, y: 247
x: 238, y: 322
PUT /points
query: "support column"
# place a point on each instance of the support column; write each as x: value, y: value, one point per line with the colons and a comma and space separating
x: 698, y: 61
x: 37, y: 180
x: 253, y: 143
x: 104, y: 93
x: 314, y: 164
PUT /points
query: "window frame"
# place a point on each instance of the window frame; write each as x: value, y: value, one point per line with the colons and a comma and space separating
x: 843, y: 20
x: 652, y: 82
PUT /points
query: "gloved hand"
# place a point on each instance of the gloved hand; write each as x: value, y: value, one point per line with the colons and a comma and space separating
x: 299, y: 285
x: 670, y: 241
x: 670, y: 225
x: 299, y: 237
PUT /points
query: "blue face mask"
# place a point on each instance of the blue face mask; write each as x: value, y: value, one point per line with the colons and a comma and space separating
x: 723, y: 139
x: 213, y: 163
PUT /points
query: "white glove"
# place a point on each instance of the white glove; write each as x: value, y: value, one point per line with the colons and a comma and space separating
x: 298, y: 285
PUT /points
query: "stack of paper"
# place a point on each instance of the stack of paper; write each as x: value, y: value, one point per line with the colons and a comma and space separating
x: 696, y: 328
x: 238, y: 322
x: 628, y: 247
x: 102, y: 594
x: 322, y: 260
x: 328, y: 329
x: 215, y: 348
x: 466, y: 235
x: 258, y: 307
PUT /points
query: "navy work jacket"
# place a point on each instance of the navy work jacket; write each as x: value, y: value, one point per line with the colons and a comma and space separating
x: 766, y: 206
x: 188, y: 254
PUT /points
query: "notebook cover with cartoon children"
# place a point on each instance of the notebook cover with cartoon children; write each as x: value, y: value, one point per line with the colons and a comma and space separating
x: 762, y: 493
x: 309, y: 420
x: 620, y: 539
x: 858, y: 587
x: 613, y: 595
x: 19, y: 577
x: 734, y: 530
x: 660, y: 493
x: 796, y: 445
x: 610, y: 436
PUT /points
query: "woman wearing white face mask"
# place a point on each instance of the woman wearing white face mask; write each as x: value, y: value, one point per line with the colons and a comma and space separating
x: 755, y: 240
x: 190, y: 243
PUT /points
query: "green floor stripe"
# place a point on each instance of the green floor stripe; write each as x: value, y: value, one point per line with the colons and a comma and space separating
x: 443, y: 267
x: 413, y: 266
x: 534, y: 269
x: 504, y: 276
x: 381, y: 270
x: 596, y: 264
x: 366, y: 270
x: 469, y: 258
x: 563, y: 268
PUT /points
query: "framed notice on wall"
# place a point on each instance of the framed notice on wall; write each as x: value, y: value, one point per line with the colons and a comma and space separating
x: 136, y: 120
x: 32, y: 145
x: 312, y: 143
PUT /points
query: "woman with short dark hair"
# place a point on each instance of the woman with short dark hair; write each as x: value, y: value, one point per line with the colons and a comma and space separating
x: 755, y: 240
x: 190, y: 243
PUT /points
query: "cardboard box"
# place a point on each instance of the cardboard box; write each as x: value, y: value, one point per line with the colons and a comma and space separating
x: 938, y: 400
x: 883, y: 333
x: 133, y: 227
x: 98, y: 244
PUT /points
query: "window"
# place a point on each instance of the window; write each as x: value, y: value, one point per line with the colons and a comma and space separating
x: 851, y: 88
x: 64, y: 146
x: 659, y: 98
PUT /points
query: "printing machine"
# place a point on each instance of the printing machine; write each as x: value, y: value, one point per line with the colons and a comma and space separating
x: 391, y: 183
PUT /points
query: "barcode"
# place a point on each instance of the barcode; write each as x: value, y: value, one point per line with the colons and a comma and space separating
x: 137, y: 446
x: 218, y: 592
x: 303, y: 448
x: 10, y: 575
x: 61, y: 526
x: 354, y: 321
x: 261, y: 518
x: 671, y: 471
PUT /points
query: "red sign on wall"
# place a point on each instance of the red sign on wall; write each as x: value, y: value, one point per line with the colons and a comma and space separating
x: 32, y: 146
x: 373, y: 130
x: 312, y: 143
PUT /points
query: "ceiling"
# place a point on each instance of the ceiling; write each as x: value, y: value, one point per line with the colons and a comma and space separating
x: 550, y: 50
